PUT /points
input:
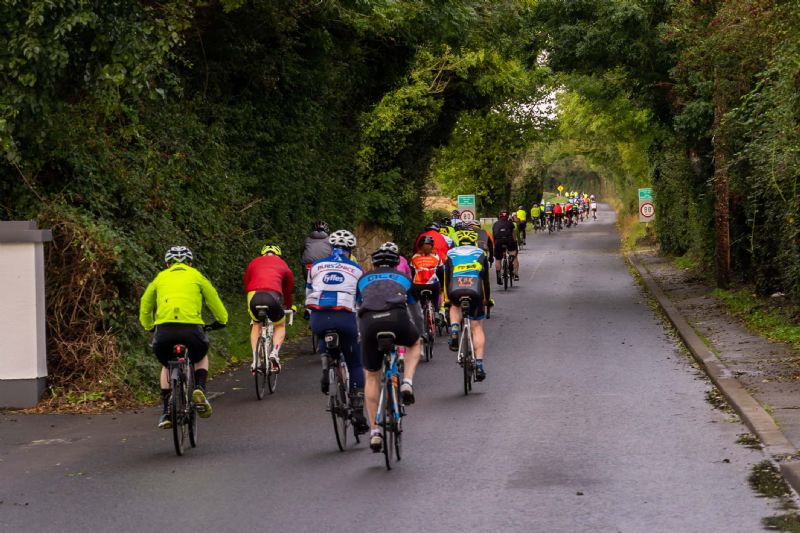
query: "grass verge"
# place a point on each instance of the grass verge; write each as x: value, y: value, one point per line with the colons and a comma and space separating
x: 769, y: 317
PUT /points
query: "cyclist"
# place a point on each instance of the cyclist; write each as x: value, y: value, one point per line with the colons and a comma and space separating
x: 439, y: 242
x: 485, y: 241
x: 504, y: 234
x: 448, y: 232
x: 522, y: 224
x: 593, y: 204
x: 316, y: 246
x: 269, y: 281
x: 173, y: 305
x: 427, y: 271
x: 557, y: 212
x: 466, y: 274
x: 386, y: 303
x: 455, y: 217
x: 331, y: 296
x: 535, y: 217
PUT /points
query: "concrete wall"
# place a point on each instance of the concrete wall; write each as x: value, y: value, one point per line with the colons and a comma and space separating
x: 23, y: 355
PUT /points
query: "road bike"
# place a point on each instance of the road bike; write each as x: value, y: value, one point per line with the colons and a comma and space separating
x: 428, y: 322
x: 182, y: 409
x: 466, y: 349
x: 507, y: 269
x: 265, y: 371
x: 340, y: 398
x: 390, y: 413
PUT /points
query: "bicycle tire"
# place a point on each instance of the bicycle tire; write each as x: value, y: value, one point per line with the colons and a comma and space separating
x: 339, y: 417
x: 176, y: 406
x: 386, y: 426
x: 260, y: 373
x: 191, y: 414
x: 505, y: 274
x: 398, y: 433
x: 272, y: 380
x: 428, y: 338
x: 465, y: 357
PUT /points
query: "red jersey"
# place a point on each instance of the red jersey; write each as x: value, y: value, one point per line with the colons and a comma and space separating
x: 425, y: 268
x: 557, y: 209
x: 270, y: 273
x: 440, y: 245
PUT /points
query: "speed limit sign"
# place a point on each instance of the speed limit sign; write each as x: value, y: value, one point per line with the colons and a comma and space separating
x: 467, y: 215
x: 646, y: 210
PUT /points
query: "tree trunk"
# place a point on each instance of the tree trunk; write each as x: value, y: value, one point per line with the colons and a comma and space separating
x: 722, y: 236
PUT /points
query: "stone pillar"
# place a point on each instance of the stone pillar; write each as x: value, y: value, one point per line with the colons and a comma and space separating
x: 23, y: 354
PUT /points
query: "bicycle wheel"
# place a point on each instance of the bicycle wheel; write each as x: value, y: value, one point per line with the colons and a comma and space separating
x: 177, y: 405
x: 466, y: 358
x: 505, y: 274
x: 271, y: 375
x: 386, y: 426
x: 260, y: 373
x: 191, y: 415
x: 338, y: 407
x: 428, y: 339
x: 397, y: 435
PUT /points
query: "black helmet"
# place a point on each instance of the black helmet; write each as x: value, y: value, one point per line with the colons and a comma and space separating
x: 320, y: 225
x: 433, y: 226
x: 425, y: 239
x: 445, y: 222
x: 460, y: 226
x: 385, y: 257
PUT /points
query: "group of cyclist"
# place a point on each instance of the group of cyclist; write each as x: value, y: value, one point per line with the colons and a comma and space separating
x: 450, y: 262
x: 554, y: 216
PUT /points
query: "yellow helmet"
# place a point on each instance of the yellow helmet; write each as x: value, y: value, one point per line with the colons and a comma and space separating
x: 466, y: 237
x: 271, y: 249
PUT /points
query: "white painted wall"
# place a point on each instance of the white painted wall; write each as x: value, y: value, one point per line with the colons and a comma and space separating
x: 22, y: 332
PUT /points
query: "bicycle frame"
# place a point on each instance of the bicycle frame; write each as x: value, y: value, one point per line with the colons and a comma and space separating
x: 391, y: 374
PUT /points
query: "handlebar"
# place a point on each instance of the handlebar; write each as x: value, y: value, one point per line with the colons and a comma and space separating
x: 214, y: 325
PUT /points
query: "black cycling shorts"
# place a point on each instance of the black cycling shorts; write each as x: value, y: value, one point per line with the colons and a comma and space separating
x: 190, y: 335
x: 370, y: 323
x: 272, y: 300
x: 498, y: 248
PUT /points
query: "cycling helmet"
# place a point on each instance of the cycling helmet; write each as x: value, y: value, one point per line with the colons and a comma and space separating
x: 178, y: 254
x: 444, y: 222
x: 520, y: 207
x: 432, y: 226
x: 425, y: 239
x: 591, y: 197
x: 320, y: 225
x: 473, y: 225
x: 342, y: 239
x: 455, y: 213
x: 444, y: 230
x: 388, y: 245
x: 503, y: 215
x: 385, y: 257
x: 271, y: 249
x: 460, y: 226
x: 466, y: 237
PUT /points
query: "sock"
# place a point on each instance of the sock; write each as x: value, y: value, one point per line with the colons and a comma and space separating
x: 479, y: 363
x: 455, y: 328
x: 374, y: 432
x: 165, y: 399
x: 408, y: 380
x: 200, y: 377
x: 276, y: 349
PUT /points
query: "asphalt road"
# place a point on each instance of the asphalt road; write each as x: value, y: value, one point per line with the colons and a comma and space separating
x: 590, y: 420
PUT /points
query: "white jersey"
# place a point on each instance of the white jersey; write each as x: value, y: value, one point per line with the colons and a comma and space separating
x: 332, y: 283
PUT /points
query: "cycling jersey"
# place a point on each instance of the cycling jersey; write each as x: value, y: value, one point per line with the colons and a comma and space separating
x: 548, y: 209
x: 466, y: 274
x: 316, y: 246
x: 503, y: 232
x: 557, y: 209
x: 332, y: 283
x: 425, y: 269
x: 535, y: 211
x: 485, y: 242
x: 176, y: 295
x: 522, y: 215
x: 383, y: 289
x: 439, y: 243
x: 270, y: 273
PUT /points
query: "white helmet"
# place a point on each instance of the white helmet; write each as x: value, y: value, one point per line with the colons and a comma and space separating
x: 389, y: 246
x: 179, y: 254
x: 342, y: 239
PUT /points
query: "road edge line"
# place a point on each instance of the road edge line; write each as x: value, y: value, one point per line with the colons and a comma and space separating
x: 754, y: 416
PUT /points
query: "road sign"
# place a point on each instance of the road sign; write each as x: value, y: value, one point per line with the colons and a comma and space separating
x: 560, y: 188
x: 466, y: 202
x: 467, y: 215
x: 646, y: 208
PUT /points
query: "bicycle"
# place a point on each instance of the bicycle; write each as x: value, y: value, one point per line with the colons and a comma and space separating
x: 339, y: 397
x: 428, y: 321
x: 466, y: 351
x: 390, y: 410
x: 507, y: 269
x: 182, y: 409
x: 265, y: 372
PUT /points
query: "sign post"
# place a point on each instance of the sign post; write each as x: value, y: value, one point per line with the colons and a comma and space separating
x: 647, y: 209
x: 560, y: 189
x: 466, y: 207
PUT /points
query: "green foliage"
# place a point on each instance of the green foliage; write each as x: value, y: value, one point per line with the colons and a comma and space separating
x: 773, y: 318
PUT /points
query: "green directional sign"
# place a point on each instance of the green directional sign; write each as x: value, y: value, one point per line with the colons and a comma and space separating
x: 646, y: 194
x: 466, y: 201
x: 646, y: 208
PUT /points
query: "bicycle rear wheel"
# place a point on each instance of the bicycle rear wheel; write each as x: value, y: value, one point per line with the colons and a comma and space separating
x: 272, y: 379
x: 261, y: 369
x: 466, y: 358
x: 177, y: 404
x: 505, y: 274
x: 339, y: 415
x: 386, y: 426
x: 191, y: 413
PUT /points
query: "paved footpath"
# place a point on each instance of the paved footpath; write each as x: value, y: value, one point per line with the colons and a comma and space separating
x: 758, y: 378
x: 590, y: 420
